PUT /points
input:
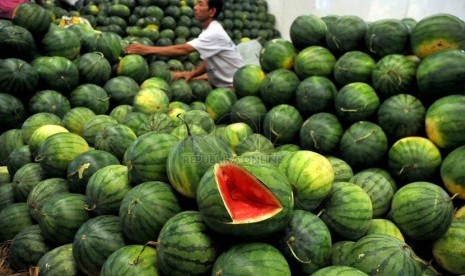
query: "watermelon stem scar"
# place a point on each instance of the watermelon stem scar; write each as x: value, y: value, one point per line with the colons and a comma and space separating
x: 288, y: 242
x: 245, y: 197
x: 365, y: 136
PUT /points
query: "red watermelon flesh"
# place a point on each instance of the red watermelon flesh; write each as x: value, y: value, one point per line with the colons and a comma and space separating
x: 245, y: 197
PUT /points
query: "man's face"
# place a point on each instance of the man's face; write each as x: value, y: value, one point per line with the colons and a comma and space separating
x: 202, y: 12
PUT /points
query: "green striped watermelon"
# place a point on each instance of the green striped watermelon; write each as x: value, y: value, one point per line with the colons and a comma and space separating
x: 347, y: 210
x: 363, y: 144
x: 6, y: 195
x: 133, y: 259
x: 145, y: 209
x: 339, y: 251
x: 230, y: 190
x: 150, y: 101
x: 282, y: 123
x: 219, y: 102
x: 14, y: 218
x: 95, y: 126
x: 146, y: 157
x: 39, y: 135
x: 27, y: 248
x: 106, y: 189
x: 311, y: 176
x: 37, y: 120
x: 61, y: 216
x: 448, y: 249
x: 120, y: 111
x: 12, y: 113
x: 306, y: 242
x: 56, y: 73
x: 321, y: 132
x: 75, y: 119
x: 413, y: 158
x: 121, y: 89
x: 255, y: 143
x: 315, y: 94
x: 58, y: 151
x: 107, y: 43
x: 307, y: 30
x: 340, y: 270
x: 93, y: 68
x: 277, y: 53
x: 92, y: 96
x: 18, y: 158
x: 385, y: 227
x: 378, y: 189
x: 346, y: 33
x: 248, y: 79
x: 133, y: 66
x: 44, y: 191
x: 185, y: 245
x: 314, y: 61
x: 17, y: 42
x: 95, y: 241
x: 253, y: 258
x: 422, y: 210
x: 387, y: 36
x: 115, y: 139
x: 18, y: 77
x: 354, y: 66
x: 49, y: 101
x: 385, y: 255
x: 437, y: 32
x: 61, y: 42
x: 356, y: 101
x: 342, y: 170
x: 250, y: 110
x: 452, y: 169
x: 25, y: 179
x: 33, y: 17
x: 58, y: 261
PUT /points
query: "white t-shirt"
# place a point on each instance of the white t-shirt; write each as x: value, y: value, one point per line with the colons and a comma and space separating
x: 220, y: 54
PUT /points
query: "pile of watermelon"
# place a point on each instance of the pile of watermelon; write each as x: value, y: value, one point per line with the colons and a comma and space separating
x: 341, y: 153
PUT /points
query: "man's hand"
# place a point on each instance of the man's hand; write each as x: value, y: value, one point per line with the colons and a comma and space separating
x: 176, y: 75
x: 137, y: 48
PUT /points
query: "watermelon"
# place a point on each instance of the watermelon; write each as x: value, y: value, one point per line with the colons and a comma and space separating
x: 121, y: 89
x: 354, y: 66
x: 341, y: 270
x: 200, y: 89
x: 250, y: 110
x: 230, y: 190
x: 282, y: 123
x: 139, y: 222
x: 42, y: 192
x: 385, y: 255
x: 346, y: 33
x: 451, y: 171
x: 394, y: 74
x: 314, y: 61
x: 278, y: 87
x: 311, y: 175
x: 133, y: 66
x: 219, y: 102
x: 58, y: 151
x: 430, y: 210
x: 387, y: 36
x: 83, y: 166
x: 347, y: 210
x: 157, y: 122
x: 58, y: 261
x: 342, y: 170
x: 146, y: 157
x: 234, y: 133
x: 95, y: 126
x: 18, y: 77
x: 18, y: 158
x: 277, y: 53
x: 159, y: 83
x: 107, y: 43
x: 198, y: 117
x: 15, y: 217
x: 25, y: 179
x: 378, y: 189
x: 106, y: 188
x: 92, y: 96
x: 133, y: 259
x: 401, y: 115
x: 9, y: 141
x: 437, y: 32
x: 93, y: 68
x: 339, y: 251
x: 248, y: 79
x: 17, y: 42
x: 115, y: 139
x: 255, y: 143
x: 447, y: 250
x: 61, y: 42
x: 306, y: 242
x: 414, y: 158
x: 12, y: 113
x: 321, y: 132
x: 49, y: 101
x: 61, y: 216
x: 315, y: 94
x: 181, y: 91
x: 253, y: 258
x: 27, y: 248
x: 363, y: 144
x: 75, y: 119
x: 56, y: 73
x: 385, y: 227
x: 443, y: 121
x: 150, y: 100
x: 441, y: 74
x: 185, y: 245
x: 33, y: 122
x: 189, y: 159
x: 33, y: 17
x: 356, y: 101
x: 6, y: 195
x: 39, y: 135
x: 307, y: 30
x: 120, y: 112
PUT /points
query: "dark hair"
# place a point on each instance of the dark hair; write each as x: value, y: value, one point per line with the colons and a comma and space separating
x: 218, y: 4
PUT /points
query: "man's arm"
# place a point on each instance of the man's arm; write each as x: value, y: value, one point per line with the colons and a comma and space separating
x: 173, y: 50
x: 188, y: 75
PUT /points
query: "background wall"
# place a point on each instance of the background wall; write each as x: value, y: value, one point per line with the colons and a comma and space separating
x: 370, y: 10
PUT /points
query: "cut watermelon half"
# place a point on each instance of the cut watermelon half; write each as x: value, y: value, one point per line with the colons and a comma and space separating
x: 246, y: 198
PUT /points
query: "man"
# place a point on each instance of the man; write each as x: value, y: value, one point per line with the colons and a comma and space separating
x: 220, y: 57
